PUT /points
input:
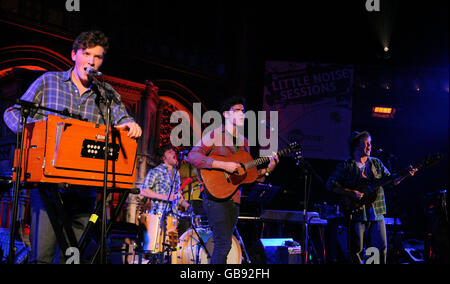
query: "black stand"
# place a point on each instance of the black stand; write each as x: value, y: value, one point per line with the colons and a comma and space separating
x: 191, y: 222
x: 162, y: 225
x: 350, y: 239
x: 307, y: 178
x: 103, y: 243
x: 25, y: 111
x: 307, y: 172
x: 241, y: 242
x: 83, y: 240
x: 397, y: 246
x: 200, y: 240
x: 106, y: 96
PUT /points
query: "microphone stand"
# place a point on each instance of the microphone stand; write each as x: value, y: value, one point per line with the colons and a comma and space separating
x: 191, y: 219
x: 25, y: 111
x: 307, y: 172
x: 107, y: 100
x: 163, y: 216
x: 397, y: 247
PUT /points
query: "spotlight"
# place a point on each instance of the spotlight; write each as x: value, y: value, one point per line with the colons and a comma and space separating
x: 386, y: 49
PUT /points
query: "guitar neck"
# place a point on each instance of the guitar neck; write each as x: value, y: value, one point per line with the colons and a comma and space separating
x: 264, y: 160
x: 402, y: 174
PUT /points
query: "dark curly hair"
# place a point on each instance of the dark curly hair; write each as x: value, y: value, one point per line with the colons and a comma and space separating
x: 159, y: 154
x: 91, y: 39
x: 231, y: 101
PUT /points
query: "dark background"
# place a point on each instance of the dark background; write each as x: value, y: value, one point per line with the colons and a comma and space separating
x: 217, y: 48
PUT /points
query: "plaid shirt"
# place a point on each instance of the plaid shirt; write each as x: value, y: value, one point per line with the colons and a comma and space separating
x: 347, y: 174
x: 159, y: 179
x: 55, y: 90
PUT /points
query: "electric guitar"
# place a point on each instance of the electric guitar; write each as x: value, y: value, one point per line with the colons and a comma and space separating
x: 223, y: 185
x: 352, y: 205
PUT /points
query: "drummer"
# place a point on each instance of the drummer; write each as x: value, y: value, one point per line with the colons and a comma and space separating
x: 162, y: 180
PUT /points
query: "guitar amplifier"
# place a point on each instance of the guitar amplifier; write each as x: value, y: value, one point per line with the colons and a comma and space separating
x: 71, y: 151
x: 282, y: 251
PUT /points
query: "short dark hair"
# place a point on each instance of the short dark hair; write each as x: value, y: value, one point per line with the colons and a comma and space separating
x: 161, y: 151
x: 231, y: 101
x: 355, y: 139
x: 91, y: 39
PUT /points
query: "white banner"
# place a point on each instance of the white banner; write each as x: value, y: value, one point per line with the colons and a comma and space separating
x: 314, y: 104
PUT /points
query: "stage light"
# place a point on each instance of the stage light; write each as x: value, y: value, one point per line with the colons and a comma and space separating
x: 383, y: 112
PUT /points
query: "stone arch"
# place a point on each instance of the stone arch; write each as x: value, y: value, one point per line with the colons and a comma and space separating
x: 32, y: 57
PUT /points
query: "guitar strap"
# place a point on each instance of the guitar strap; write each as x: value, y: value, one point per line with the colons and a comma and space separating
x: 236, y: 148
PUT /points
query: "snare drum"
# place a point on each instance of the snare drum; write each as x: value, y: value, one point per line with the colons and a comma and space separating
x: 153, y: 234
x: 190, y: 250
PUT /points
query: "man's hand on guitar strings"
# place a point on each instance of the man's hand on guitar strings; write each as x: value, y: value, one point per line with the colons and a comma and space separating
x: 231, y: 167
x: 358, y: 195
x: 412, y: 170
x: 273, y: 162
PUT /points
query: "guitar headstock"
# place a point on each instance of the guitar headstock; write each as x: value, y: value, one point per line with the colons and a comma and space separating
x: 430, y: 160
x: 296, y: 148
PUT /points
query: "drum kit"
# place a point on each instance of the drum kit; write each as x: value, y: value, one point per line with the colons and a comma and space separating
x: 162, y: 243
x: 194, y: 246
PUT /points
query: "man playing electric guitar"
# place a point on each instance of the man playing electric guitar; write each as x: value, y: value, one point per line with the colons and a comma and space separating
x: 367, y: 221
x: 224, y: 141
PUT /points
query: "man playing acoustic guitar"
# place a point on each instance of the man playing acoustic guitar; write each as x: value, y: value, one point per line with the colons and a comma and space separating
x: 367, y: 221
x: 222, y: 213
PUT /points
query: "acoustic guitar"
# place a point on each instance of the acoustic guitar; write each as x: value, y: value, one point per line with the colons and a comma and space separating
x: 223, y: 185
x: 351, y: 205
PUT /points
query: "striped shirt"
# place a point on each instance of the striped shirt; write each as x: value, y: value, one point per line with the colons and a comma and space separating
x: 347, y: 175
x: 56, y: 90
x: 159, y: 179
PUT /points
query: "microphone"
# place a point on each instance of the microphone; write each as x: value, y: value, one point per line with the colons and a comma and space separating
x: 181, y: 157
x: 92, y: 72
x: 182, y: 153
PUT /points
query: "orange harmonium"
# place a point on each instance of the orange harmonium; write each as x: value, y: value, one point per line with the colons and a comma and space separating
x: 71, y: 151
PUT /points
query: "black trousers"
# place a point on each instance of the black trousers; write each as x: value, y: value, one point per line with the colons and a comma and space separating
x: 222, y: 218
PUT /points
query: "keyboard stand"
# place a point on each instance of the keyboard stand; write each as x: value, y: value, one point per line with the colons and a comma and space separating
x: 62, y: 225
